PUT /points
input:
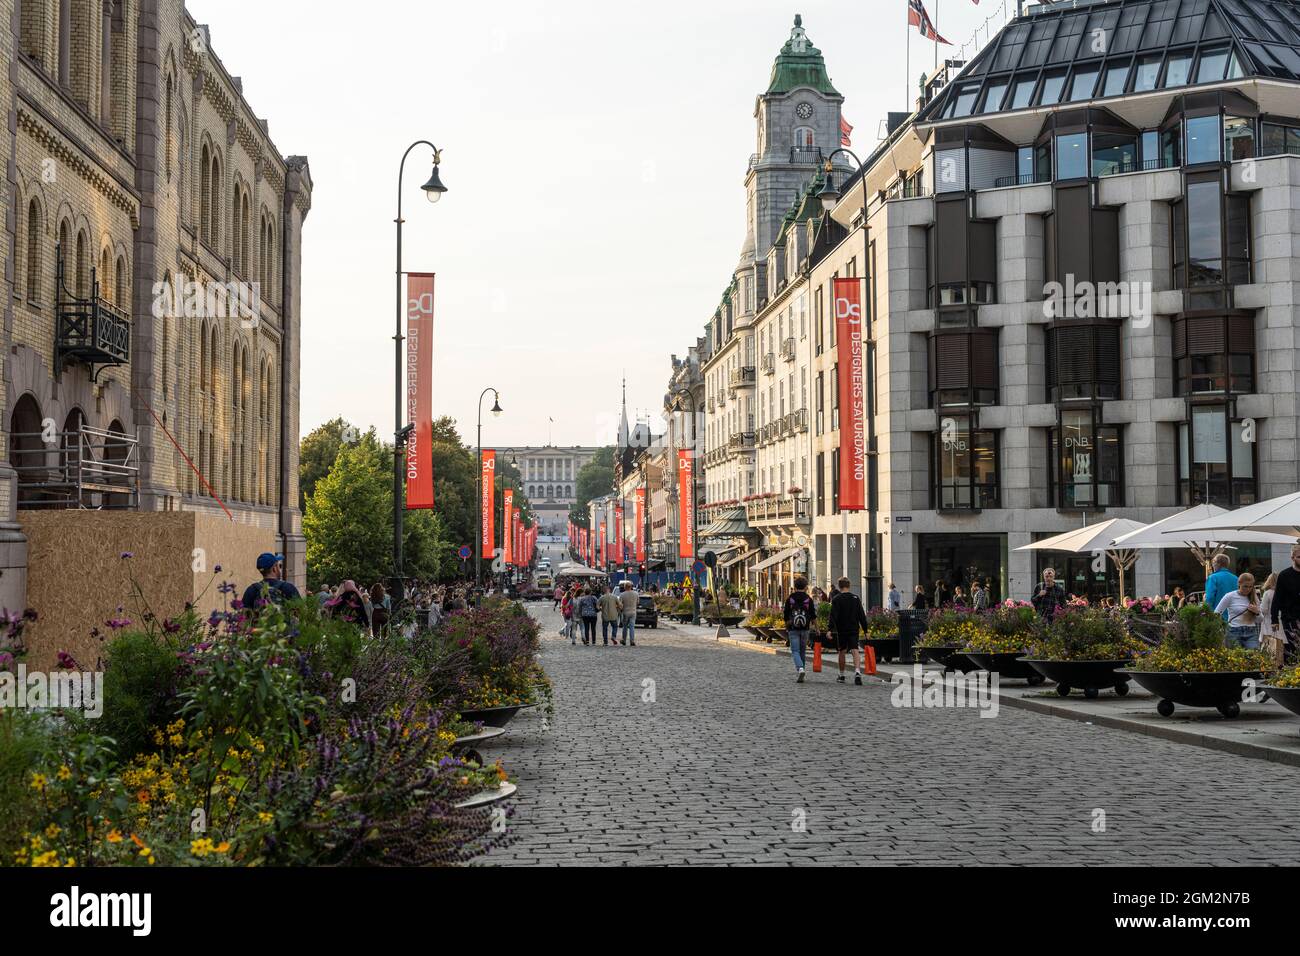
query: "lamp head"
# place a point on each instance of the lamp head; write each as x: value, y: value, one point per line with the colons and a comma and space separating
x: 434, y: 188
x: 828, y: 194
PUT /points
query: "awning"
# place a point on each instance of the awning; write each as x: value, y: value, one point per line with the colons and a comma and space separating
x: 729, y: 525
x: 722, y: 566
x: 785, y: 555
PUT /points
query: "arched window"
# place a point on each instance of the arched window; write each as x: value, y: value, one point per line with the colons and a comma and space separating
x: 805, y: 137
x: 121, y: 295
x: 71, y: 438
x: 81, y: 271
x: 183, y: 166
x: 33, y: 251
x: 104, y: 278
x: 205, y: 194
x: 167, y: 143
x: 115, y: 451
x: 27, y: 451
x: 214, y: 204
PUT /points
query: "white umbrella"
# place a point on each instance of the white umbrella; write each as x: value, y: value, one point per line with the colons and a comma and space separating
x: 1173, y: 532
x: 1280, y: 516
x: 1095, y: 537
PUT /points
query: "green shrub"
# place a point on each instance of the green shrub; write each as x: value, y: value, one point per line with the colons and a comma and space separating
x: 23, y: 737
x: 1088, y: 634
x: 140, y: 685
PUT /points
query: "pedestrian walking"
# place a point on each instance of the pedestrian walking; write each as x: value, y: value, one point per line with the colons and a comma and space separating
x: 627, y: 601
x: 271, y: 589
x: 1221, y: 583
x: 940, y: 594
x: 958, y: 597
x: 1271, y: 639
x: 609, y: 615
x: 588, y: 609
x: 1241, y: 608
x: 1285, y: 611
x: 1048, y: 596
x: 847, y: 617
x: 559, y: 596
x: 895, y: 599
x: 979, y: 596
x: 920, y: 600
x: 800, y: 611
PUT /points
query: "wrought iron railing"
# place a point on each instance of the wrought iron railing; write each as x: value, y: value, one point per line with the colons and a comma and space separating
x: 82, y: 468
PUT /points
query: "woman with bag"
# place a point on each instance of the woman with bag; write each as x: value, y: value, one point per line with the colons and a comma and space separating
x: 1271, y: 640
x: 1242, y: 609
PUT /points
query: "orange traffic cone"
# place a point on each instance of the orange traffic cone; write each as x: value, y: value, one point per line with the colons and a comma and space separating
x: 817, y: 657
x: 869, y: 660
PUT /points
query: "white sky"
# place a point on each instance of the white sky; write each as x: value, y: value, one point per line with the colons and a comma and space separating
x: 594, y: 155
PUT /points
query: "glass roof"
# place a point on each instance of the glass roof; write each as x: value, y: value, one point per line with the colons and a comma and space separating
x: 1093, y: 50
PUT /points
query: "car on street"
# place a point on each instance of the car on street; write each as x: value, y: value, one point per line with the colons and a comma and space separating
x: 544, y: 580
x: 647, y: 615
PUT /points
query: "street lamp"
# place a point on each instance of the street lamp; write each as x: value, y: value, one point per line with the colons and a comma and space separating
x: 496, y: 413
x: 433, y: 190
x: 830, y: 196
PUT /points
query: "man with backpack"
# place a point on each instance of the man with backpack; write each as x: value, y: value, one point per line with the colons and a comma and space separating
x: 847, y: 617
x: 800, y: 612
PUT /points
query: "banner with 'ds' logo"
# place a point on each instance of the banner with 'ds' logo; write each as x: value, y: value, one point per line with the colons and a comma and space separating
x: 419, y: 390
x: 488, y: 502
x: 847, y: 299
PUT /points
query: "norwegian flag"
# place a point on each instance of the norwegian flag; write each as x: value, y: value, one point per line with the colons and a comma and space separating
x: 917, y: 17
x: 846, y: 131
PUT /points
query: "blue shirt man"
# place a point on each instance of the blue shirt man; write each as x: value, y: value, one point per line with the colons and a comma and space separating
x: 270, y: 588
x: 1221, y: 582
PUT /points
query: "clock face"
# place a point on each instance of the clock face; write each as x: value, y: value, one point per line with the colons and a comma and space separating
x: 803, y: 110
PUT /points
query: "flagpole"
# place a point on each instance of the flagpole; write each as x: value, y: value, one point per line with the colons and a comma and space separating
x: 907, y: 85
x: 936, y: 35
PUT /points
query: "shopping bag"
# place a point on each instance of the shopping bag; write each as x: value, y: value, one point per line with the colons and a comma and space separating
x: 869, y: 660
x: 817, y: 657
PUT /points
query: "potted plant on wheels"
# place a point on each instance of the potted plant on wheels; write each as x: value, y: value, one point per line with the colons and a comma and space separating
x: 1193, y: 666
x: 1285, y: 688
x: 882, y: 633
x: 946, y: 632
x: 1009, y: 631
x: 1086, y: 648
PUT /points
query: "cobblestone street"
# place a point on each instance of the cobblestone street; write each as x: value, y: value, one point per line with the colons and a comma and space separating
x: 731, y: 754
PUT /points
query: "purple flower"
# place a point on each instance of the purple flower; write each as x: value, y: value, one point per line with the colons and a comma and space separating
x: 217, y: 569
x: 127, y: 554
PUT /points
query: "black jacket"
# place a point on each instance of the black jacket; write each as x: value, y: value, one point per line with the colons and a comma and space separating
x: 847, y: 614
x: 800, y: 599
x: 1286, y: 596
x: 1047, y: 602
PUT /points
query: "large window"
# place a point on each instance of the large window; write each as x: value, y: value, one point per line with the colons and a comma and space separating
x: 1072, y: 156
x: 1204, y: 137
x: 1214, y: 355
x: 1113, y: 153
x: 1116, y: 79
x: 1216, y: 459
x: 1211, y: 235
x: 1087, y: 461
x: 1279, y: 139
x: 965, y: 466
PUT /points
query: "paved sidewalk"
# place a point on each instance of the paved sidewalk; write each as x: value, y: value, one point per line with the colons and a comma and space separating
x: 1264, y: 731
x: 686, y: 750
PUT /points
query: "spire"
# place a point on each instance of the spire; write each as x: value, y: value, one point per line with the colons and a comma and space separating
x: 800, y: 64
x: 624, y: 435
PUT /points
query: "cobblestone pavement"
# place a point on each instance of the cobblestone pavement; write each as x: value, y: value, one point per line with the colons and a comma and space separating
x: 731, y: 754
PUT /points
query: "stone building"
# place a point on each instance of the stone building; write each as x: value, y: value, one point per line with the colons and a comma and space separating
x: 152, y: 315
x: 550, y: 476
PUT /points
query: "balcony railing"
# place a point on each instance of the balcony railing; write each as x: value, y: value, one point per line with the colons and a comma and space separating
x: 785, y: 508
x: 768, y: 364
x: 741, y: 440
x: 810, y: 155
x: 798, y: 420
x: 742, y: 376
x: 788, y: 349
x: 1024, y: 179
x: 88, y: 330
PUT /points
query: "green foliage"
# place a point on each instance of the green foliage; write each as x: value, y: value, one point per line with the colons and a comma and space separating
x: 595, y: 478
x: 140, y: 684
x: 21, y: 744
x: 318, y: 451
x: 1197, y: 626
x: 1081, y: 633
x: 349, y: 523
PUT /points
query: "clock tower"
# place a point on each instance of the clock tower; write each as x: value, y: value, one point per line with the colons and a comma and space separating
x: 798, y: 126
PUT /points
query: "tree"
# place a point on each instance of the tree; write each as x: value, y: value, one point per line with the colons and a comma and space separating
x: 317, y: 452
x: 348, y: 523
x: 595, y: 478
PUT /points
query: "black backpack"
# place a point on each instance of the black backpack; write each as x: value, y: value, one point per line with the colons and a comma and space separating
x: 799, y: 613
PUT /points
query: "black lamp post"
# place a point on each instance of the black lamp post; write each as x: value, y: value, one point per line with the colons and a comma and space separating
x: 433, y: 190
x: 496, y: 412
x: 830, y: 197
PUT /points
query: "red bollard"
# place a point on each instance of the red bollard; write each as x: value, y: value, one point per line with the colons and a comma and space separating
x: 817, y: 657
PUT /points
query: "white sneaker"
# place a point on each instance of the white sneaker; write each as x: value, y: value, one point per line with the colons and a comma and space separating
x: 799, y: 679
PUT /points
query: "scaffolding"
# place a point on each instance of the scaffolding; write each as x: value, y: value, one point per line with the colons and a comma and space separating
x: 86, y: 468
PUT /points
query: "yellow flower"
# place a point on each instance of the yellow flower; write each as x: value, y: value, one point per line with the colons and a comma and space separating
x: 114, y: 836
x: 201, y: 847
x: 175, y: 740
x: 53, y: 831
x: 65, y: 772
x: 265, y: 817
x: 38, y: 781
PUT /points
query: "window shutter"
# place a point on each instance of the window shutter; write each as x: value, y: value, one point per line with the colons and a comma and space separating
x: 952, y: 353
x: 984, y: 359
x: 1206, y: 336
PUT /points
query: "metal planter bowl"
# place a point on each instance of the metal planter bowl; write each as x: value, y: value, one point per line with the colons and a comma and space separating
x: 1218, y: 689
x: 941, y: 654
x: 886, y: 648
x: 1010, y: 665
x: 485, y: 797
x: 1288, y: 697
x: 493, y: 716
x: 1088, y: 676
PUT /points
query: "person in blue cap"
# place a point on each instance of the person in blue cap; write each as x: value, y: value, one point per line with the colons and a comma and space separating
x: 270, y: 588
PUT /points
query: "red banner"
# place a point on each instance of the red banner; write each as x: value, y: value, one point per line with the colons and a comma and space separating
x: 640, y: 525
x: 853, y: 419
x: 685, y: 503
x: 507, y: 525
x: 602, y: 548
x: 488, y: 477
x: 419, y: 390
x: 618, y: 533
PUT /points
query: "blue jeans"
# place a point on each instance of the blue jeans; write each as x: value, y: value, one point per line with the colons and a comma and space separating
x: 1244, y: 635
x: 798, y: 647
x: 629, y: 628
x: 608, y: 627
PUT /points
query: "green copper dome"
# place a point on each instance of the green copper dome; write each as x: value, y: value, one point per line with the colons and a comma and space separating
x: 800, y: 64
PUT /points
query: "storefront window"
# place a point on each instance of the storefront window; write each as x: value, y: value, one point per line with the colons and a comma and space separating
x: 966, y: 466
x: 1086, y: 462
x: 1216, y: 461
x: 959, y: 559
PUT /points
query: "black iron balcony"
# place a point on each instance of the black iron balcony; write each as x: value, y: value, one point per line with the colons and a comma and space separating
x: 810, y: 155
x: 742, y: 376
x: 741, y: 440
x: 788, y: 350
x: 89, y: 330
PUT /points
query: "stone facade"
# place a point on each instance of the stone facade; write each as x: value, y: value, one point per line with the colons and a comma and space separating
x: 139, y: 165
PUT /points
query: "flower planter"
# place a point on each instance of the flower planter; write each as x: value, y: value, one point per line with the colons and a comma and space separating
x: 1088, y: 676
x: 769, y: 634
x: 1288, y: 697
x: 755, y: 632
x: 493, y: 716
x: 1218, y: 689
x: 886, y: 648
x: 781, y: 634
x: 467, y: 747
x: 485, y: 797
x: 1010, y: 664
x: 941, y: 654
